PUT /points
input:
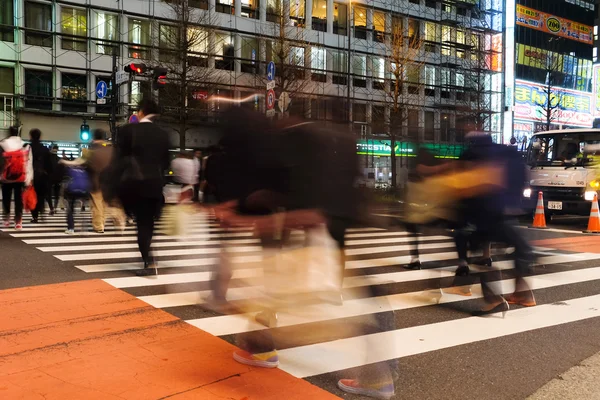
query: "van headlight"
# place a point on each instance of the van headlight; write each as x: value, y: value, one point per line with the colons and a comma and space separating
x: 527, y: 193
x: 589, y: 195
x: 595, y: 184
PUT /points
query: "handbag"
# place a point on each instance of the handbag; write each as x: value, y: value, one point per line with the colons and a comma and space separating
x: 29, y: 198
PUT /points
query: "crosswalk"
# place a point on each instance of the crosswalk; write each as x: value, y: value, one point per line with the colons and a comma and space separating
x: 374, y: 261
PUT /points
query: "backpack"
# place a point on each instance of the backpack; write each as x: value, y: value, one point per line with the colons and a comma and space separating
x: 15, y: 163
x: 78, y: 181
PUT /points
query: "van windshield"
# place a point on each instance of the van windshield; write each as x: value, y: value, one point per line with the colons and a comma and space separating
x: 560, y: 149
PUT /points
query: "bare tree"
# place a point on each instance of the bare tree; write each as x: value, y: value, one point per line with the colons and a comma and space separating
x: 404, y: 86
x: 184, y: 49
x: 286, y: 46
x: 551, y: 109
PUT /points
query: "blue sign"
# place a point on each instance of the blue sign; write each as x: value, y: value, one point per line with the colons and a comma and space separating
x: 271, y: 71
x: 101, y: 90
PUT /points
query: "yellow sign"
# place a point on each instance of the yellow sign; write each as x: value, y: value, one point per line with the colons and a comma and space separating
x: 539, y: 58
x: 554, y: 25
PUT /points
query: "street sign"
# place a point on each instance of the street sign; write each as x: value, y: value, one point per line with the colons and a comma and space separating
x: 270, y: 113
x: 200, y: 95
x: 101, y: 90
x: 270, y: 85
x: 122, y: 77
x: 270, y: 99
x: 284, y: 101
x: 100, y: 101
x: 271, y: 71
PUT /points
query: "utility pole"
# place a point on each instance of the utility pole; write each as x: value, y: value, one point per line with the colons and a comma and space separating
x: 114, y: 96
x: 349, y: 30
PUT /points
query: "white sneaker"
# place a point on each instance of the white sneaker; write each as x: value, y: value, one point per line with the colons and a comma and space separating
x: 70, y: 232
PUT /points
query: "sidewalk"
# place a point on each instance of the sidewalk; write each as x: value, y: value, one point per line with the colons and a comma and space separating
x: 88, y: 340
x: 579, y: 382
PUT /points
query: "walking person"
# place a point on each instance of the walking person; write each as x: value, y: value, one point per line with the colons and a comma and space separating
x: 77, y: 186
x: 41, y: 172
x: 185, y: 172
x: 98, y: 160
x: 198, y: 168
x: 17, y: 172
x: 142, y: 153
x: 56, y: 177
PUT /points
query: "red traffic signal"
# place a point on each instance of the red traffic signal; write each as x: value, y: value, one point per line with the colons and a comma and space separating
x: 159, y: 77
x: 136, y: 68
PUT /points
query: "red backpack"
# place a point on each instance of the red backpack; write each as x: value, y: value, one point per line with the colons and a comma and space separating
x: 15, y: 166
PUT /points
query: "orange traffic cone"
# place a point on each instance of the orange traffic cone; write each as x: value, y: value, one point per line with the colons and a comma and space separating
x: 539, y: 220
x: 594, y: 223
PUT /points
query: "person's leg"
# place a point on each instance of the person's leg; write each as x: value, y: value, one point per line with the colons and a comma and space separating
x: 18, y: 190
x: 97, y: 211
x: 145, y: 213
x: 70, y: 203
x: 117, y: 214
x: 6, y: 197
x: 40, y: 190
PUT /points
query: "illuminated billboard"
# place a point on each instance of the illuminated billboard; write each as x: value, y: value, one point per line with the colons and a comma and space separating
x: 530, y: 18
x: 575, y: 107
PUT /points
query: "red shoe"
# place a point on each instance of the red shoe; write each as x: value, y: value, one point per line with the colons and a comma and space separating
x: 382, y: 391
x: 263, y: 360
x: 19, y: 226
x: 6, y: 223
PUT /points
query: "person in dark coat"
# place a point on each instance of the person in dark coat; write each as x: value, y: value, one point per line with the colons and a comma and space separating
x: 42, y: 169
x: 144, y: 145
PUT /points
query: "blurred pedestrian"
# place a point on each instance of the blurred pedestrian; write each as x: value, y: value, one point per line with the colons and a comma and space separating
x: 99, y: 158
x: 142, y: 154
x: 16, y: 173
x: 185, y: 172
x: 42, y: 168
x: 198, y: 168
x: 77, y: 186
x: 56, y: 177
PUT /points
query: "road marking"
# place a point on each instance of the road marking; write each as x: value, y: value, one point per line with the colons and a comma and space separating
x: 342, y: 354
x: 158, y: 253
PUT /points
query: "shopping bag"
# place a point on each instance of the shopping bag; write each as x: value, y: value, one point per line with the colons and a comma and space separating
x: 29, y: 199
x: 177, y: 224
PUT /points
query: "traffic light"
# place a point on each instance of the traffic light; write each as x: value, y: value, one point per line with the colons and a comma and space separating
x: 159, y: 77
x: 135, y: 68
x: 84, y: 132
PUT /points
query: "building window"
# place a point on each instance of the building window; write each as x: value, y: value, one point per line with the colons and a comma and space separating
x: 225, y: 6
x: 139, y: 39
x: 7, y: 80
x: 429, y: 119
x: 197, y: 41
x: 378, y: 70
x: 106, y: 30
x: 359, y: 69
x: 225, y: 52
x: 274, y: 10
x: 250, y: 8
x: 359, y: 112
x: 319, y: 22
x: 202, y: 4
x: 38, y: 24
x: 413, y: 124
x: 431, y: 37
x: 378, y: 26
x: 339, y: 64
x: 340, y: 19
x: 249, y: 55
x: 7, y: 21
x: 297, y: 8
x: 360, y: 23
x: 414, y: 30
x: 38, y: 89
x: 431, y: 3
x: 460, y: 36
x: 169, y: 43
x: 73, y: 23
x: 318, y: 64
x: 74, y: 92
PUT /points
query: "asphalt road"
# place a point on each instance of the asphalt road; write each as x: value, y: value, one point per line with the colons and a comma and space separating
x: 506, y: 367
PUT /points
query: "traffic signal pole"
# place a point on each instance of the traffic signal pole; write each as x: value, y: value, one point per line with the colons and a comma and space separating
x: 114, y: 98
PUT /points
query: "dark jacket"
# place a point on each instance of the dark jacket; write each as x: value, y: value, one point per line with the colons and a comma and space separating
x: 42, y: 164
x: 148, y: 144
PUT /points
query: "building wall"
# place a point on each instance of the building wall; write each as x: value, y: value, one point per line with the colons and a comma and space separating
x: 440, y: 105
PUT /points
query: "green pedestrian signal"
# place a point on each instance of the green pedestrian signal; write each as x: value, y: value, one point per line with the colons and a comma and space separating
x: 84, y: 133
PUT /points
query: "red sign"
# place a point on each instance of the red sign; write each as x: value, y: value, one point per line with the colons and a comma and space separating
x: 270, y: 99
x: 200, y: 95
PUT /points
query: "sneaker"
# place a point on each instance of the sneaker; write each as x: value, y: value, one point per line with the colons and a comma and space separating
x: 263, y: 360
x: 34, y: 221
x: 385, y: 391
x: 19, y: 226
x: 70, y: 232
x: 6, y: 223
x: 149, y: 269
x: 99, y: 230
x: 482, y: 261
x: 52, y: 212
x: 130, y: 221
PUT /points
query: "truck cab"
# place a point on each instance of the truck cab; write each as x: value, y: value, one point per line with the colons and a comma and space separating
x: 563, y: 166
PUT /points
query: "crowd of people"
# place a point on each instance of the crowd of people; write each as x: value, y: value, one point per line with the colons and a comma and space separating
x: 283, y: 177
